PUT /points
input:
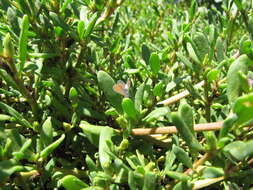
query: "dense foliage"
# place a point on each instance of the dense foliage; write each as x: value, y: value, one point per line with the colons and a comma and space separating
x: 66, y: 123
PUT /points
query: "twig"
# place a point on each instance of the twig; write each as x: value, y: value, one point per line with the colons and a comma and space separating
x: 179, y: 96
x: 172, y: 129
x: 109, y: 10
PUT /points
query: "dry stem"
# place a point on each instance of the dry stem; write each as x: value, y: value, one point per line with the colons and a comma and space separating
x: 172, y: 129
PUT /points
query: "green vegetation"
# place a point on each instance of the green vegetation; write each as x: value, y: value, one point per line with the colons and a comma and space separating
x: 92, y: 90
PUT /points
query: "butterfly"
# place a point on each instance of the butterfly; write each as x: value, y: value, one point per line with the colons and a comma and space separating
x: 122, y: 88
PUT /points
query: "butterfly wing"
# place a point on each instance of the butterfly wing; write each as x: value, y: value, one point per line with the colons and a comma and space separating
x: 119, y: 87
x: 122, y: 88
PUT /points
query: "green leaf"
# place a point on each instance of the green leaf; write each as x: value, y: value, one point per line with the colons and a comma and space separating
x: 23, y: 40
x: 4, y: 117
x: 212, y: 172
x: 8, y: 79
x: 219, y: 49
x: 81, y: 29
x: 145, y: 53
x: 129, y: 108
x: 70, y: 182
x: 155, y: 114
x: 238, y: 4
x: 192, y: 53
x: 239, y: 150
x: 157, y: 91
x: 92, y: 132
x: 131, y: 181
x: 8, y: 47
x: 90, y: 163
x: 46, y: 133
x: 182, y: 156
x: 211, y: 140
x: 19, y: 118
x: 201, y: 45
x: 65, y: 5
x: 106, y: 83
x: 50, y: 148
x: 139, y: 97
x: 149, y: 181
x: 185, y: 132
x: 178, y: 176
x: 73, y: 96
x: 185, y: 61
x: 186, y: 112
x: 154, y: 63
x: 213, y: 75
x: 22, y: 153
x: 193, y: 9
x: 91, y: 25
x: 8, y: 167
x: 233, y: 87
x: 104, y: 157
x: 183, y: 185
x: 243, y: 108
x: 227, y: 125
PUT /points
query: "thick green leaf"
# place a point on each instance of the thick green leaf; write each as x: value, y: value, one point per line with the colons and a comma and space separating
x: 19, y: 118
x: 234, y: 87
x: 23, y: 151
x: 185, y: 132
x: 211, y: 140
x: 154, y: 62
x: 81, y: 29
x: 91, y: 25
x: 8, y: 167
x: 201, y: 45
x: 192, y: 53
x: 50, y: 148
x: 213, y: 75
x: 23, y: 40
x: 149, y: 181
x: 219, y: 49
x: 238, y: 150
x: 243, y: 108
x: 157, y: 91
x: 106, y: 83
x: 186, y: 112
x: 212, y: 172
x: 185, y: 61
x: 227, y: 125
x: 177, y: 175
x: 73, y: 96
x: 90, y: 163
x: 145, y: 53
x: 155, y: 114
x: 92, y: 132
x: 104, y: 157
x: 182, y: 156
x: 139, y: 97
x: 71, y: 182
x: 129, y: 108
x: 8, y: 47
x: 9, y: 80
x: 46, y: 133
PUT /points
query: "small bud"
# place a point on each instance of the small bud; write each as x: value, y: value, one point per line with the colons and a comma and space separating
x: 8, y: 47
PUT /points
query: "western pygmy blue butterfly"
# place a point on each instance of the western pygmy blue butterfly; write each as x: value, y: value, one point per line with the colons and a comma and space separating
x: 122, y: 88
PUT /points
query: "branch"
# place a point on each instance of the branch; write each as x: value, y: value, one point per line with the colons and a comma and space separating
x: 172, y: 129
x: 179, y: 96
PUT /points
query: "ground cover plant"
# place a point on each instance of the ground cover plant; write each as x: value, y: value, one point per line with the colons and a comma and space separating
x: 126, y: 94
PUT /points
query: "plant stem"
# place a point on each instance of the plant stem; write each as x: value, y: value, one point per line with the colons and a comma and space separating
x: 20, y: 83
x: 207, y: 102
x: 172, y: 129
